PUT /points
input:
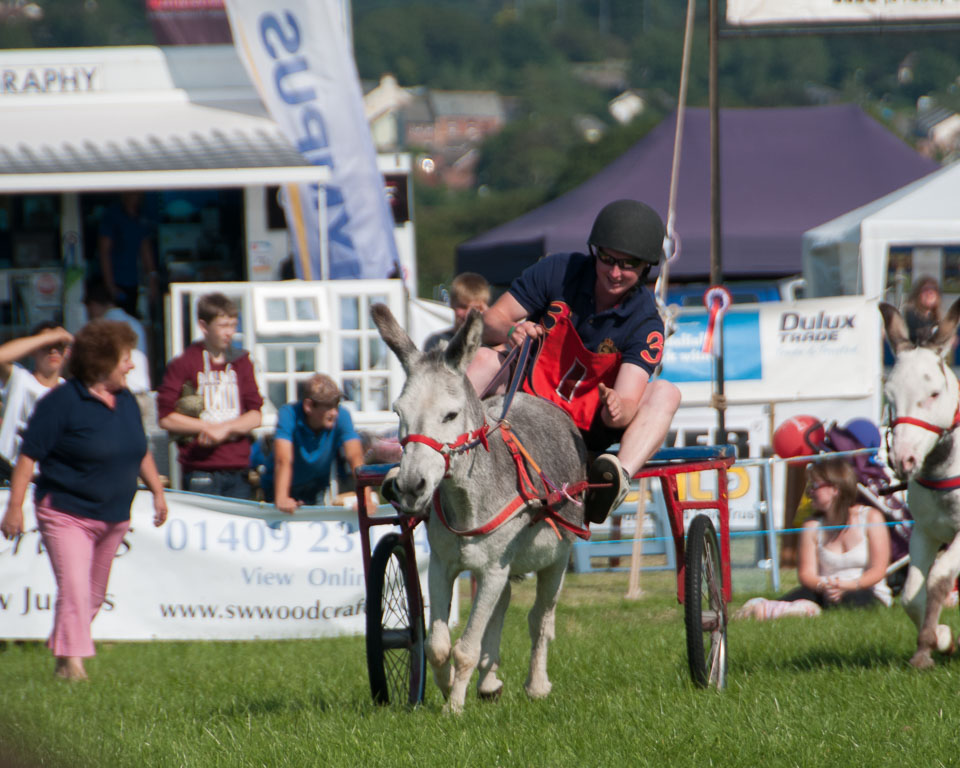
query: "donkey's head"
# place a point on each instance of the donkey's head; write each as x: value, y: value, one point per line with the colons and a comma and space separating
x: 437, y: 403
x: 921, y: 389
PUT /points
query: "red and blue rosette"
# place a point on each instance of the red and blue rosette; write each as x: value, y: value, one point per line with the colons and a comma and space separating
x: 716, y: 299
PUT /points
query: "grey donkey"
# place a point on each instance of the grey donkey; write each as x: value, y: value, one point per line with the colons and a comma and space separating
x: 472, y: 487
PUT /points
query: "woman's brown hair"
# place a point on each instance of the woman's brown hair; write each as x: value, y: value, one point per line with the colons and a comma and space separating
x: 840, y: 474
x: 98, y: 347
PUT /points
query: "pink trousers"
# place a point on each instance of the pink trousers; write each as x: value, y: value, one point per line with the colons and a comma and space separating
x: 81, y: 552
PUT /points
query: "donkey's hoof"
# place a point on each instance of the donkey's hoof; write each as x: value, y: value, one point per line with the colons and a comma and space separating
x: 490, y: 695
x: 539, y: 691
x: 922, y: 660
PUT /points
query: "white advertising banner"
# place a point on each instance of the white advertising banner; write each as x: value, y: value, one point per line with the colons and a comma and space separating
x: 825, y: 348
x: 747, y: 12
x: 299, y: 60
x: 208, y: 574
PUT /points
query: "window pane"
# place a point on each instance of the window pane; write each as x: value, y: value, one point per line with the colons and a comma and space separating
x: 350, y: 313
x: 350, y: 354
x: 277, y: 310
x: 305, y: 359
x: 305, y: 308
x: 276, y: 360
x: 379, y: 394
x: 375, y: 300
x: 353, y: 391
x: 378, y: 352
x: 277, y: 392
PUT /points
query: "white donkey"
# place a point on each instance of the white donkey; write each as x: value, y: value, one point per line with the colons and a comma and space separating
x: 924, y: 396
x: 478, y: 522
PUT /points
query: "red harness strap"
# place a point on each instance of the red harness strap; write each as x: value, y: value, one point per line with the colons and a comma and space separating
x: 947, y: 484
x: 527, y: 492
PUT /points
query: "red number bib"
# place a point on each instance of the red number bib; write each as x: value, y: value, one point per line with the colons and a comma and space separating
x: 565, y: 372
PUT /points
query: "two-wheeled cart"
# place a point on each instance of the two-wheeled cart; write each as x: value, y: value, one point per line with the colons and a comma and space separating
x: 396, y: 630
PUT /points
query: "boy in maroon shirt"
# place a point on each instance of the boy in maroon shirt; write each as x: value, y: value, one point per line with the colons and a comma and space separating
x: 219, y: 404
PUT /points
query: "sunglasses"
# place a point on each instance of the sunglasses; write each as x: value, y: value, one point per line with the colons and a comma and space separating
x: 61, y: 348
x: 818, y: 484
x: 613, y: 261
x: 327, y: 405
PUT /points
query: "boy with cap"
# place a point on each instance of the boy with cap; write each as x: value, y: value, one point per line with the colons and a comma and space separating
x: 310, y: 435
x: 602, y: 342
x: 209, y: 395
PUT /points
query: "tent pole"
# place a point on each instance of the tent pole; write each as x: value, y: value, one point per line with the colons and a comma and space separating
x: 716, y: 269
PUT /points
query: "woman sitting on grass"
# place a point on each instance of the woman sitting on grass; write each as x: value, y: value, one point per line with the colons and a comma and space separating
x: 844, y: 551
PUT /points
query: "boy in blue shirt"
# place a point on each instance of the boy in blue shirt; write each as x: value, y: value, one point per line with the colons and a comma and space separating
x: 310, y: 435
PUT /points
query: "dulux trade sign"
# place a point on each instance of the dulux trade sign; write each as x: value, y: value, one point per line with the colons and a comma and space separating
x: 300, y: 62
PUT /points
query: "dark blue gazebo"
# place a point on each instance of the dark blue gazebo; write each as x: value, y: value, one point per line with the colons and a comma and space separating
x: 783, y: 170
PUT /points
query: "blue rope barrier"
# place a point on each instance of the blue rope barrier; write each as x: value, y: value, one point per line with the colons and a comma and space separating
x: 743, y: 534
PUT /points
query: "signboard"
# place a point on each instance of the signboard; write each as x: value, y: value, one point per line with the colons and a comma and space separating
x: 825, y: 348
x: 747, y: 12
x: 299, y: 58
x: 208, y: 574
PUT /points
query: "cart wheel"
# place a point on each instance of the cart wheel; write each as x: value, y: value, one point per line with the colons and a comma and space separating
x: 396, y: 659
x: 705, y: 613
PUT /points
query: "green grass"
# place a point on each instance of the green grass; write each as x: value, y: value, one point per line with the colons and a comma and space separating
x: 831, y: 691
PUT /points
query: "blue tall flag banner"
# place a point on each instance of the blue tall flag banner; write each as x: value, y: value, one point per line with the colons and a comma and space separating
x: 300, y: 61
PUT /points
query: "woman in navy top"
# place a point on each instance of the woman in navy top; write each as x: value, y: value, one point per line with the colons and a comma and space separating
x: 88, y: 438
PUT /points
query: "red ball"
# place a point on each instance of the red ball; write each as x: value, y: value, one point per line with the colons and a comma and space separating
x: 798, y: 436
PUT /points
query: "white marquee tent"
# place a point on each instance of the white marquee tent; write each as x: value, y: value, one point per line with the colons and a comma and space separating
x: 849, y: 254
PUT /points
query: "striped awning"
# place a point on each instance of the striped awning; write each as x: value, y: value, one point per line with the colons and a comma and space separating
x: 144, y: 141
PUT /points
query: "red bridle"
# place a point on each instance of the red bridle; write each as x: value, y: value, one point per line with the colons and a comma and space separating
x: 926, y: 424
x: 462, y: 444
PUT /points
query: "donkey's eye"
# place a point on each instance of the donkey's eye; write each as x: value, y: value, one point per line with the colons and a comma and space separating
x: 450, y: 417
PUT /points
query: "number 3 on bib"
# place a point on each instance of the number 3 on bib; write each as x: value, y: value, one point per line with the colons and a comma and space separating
x: 655, y: 351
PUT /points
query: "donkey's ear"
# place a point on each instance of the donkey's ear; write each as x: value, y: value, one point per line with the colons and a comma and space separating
x: 395, y: 337
x: 946, y: 330
x: 465, y: 342
x: 896, y: 329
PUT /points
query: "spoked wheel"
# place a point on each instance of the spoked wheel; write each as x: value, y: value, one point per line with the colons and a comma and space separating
x: 396, y: 659
x: 705, y: 613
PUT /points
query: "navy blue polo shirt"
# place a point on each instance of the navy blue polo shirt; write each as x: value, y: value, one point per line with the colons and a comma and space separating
x: 89, y: 454
x: 633, y: 327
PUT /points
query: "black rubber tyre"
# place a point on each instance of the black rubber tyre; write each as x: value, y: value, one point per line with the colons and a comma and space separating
x: 396, y: 659
x: 705, y: 613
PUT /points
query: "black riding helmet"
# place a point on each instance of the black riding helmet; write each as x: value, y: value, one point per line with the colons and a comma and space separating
x: 630, y: 227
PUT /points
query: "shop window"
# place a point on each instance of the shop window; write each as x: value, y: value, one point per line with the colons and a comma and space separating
x: 284, y: 310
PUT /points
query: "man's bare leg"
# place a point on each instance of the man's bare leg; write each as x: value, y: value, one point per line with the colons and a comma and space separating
x: 644, y: 436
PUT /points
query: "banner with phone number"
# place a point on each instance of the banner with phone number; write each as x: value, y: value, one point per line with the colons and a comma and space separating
x: 215, y: 571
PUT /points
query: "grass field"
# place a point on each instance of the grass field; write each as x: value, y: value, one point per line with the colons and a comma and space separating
x: 830, y: 691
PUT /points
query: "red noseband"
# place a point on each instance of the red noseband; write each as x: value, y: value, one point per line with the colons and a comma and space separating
x: 462, y: 444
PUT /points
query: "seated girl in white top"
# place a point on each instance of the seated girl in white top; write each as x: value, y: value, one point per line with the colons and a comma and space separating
x: 844, y: 550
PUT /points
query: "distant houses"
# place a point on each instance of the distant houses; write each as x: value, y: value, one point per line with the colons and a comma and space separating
x: 444, y: 127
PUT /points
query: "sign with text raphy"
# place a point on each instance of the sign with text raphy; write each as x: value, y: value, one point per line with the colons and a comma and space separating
x: 747, y: 12
x: 76, y: 78
x: 781, y: 351
x: 207, y: 575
